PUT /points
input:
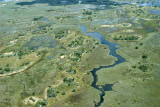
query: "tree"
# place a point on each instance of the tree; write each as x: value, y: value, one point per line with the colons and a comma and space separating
x: 144, y: 68
x: 52, y: 92
x: 7, y: 69
x: 73, y: 90
x: 144, y: 56
x: 42, y: 103
x: 1, y: 72
x: 63, y: 93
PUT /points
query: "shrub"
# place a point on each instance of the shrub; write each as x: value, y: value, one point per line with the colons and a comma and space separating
x: 144, y: 56
x: 68, y: 80
x: 133, y: 66
x: 20, y: 53
x: 42, y: 103
x: 136, y: 47
x: 37, y: 18
x: 7, y: 69
x: 126, y: 38
x: 87, y: 13
x: 77, y: 54
x: 52, y: 92
x: 141, y: 44
x: 72, y: 71
x: 25, y: 63
x: 144, y: 68
x: 76, y: 42
x: 74, y: 90
x: 1, y: 72
x: 60, y: 34
x: 63, y: 93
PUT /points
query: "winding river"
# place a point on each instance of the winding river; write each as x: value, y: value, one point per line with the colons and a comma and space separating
x: 112, y: 48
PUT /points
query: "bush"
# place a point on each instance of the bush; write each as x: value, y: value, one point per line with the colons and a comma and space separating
x: 60, y: 34
x: 32, y: 99
x: 41, y: 103
x: 126, y: 38
x: 68, y: 80
x: 144, y: 68
x: 87, y: 13
x: 63, y: 93
x: 76, y: 42
x: 144, y: 56
x: 52, y: 92
x: 37, y: 18
x: 133, y: 66
x: 25, y: 63
x: 1, y: 72
x: 74, y: 90
x: 7, y: 69
x: 20, y: 53
x: 141, y: 44
x: 72, y: 71
x: 77, y: 54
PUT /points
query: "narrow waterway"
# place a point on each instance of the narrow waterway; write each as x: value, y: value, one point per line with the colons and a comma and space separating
x: 112, y: 48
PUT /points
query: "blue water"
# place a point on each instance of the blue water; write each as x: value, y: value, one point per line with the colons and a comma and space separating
x: 47, y: 20
x: 156, y: 12
x: 7, y: 0
x: 112, y: 48
x: 150, y: 3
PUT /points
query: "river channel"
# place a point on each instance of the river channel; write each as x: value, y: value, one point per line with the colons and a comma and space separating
x: 112, y: 47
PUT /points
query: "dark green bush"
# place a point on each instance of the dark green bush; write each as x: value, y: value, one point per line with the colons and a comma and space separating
x: 42, y: 103
x: 144, y: 56
x: 7, y: 69
x: 144, y: 68
x: 63, y: 93
x: 52, y: 92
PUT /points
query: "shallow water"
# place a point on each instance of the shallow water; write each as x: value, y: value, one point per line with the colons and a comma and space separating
x: 156, y: 12
x: 47, y: 20
x: 42, y: 41
x: 150, y: 3
x: 7, y: 0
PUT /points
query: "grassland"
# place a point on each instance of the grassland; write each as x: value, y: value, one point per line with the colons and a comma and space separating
x: 66, y: 48
x: 136, y: 78
x: 55, y: 58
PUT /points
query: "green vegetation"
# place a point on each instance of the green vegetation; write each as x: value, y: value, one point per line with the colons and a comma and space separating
x: 38, y: 18
x: 144, y: 56
x: 60, y: 34
x: 54, y: 60
x: 144, y: 68
x: 137, y: 76
x: 25, y: 63
x: 76, y: 56
x: 63, y: 93
x: 7, y: 69
x: 52, y: 92
x: 71, y: 70
x: 41, y: 103
x: 77, y: 42
x: 40, y: 42
x: 126, y: 38
x: 68, y: 80
x: 87, y: 13
x: 20, y: 54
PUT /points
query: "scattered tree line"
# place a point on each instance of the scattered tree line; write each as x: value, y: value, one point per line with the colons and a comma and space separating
x: 126, y: 38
